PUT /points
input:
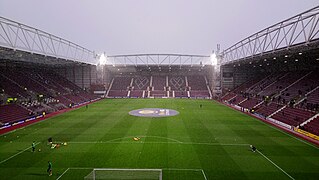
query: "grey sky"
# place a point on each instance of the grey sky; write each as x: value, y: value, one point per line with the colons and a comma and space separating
x: 149, y: 26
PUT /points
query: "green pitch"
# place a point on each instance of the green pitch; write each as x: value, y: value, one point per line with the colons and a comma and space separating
x: 211, y: 142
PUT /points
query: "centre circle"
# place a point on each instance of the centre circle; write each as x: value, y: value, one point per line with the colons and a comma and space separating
x: 154, y: 112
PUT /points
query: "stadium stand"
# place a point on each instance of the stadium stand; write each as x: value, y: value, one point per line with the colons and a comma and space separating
x: 140, y: 84
x: 34, y: 90
x: 293, y: 116
x: 13, y: 112
x: 229, y: 96
x: 312, y: 126
x: 268, y: 109
x: 159, y: 86
x: 250, y: 103
x: 198, y: 86
x: 120, y: 86
x: 289, y: 97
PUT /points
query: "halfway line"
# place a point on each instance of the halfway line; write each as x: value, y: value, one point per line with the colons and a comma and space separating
x: 141, y: 142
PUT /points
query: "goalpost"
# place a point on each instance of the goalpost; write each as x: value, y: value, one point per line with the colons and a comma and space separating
x: 129, y: 174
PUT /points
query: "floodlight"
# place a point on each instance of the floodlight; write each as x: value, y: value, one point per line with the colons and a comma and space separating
x: 102, y: 59
x: 213, y: 59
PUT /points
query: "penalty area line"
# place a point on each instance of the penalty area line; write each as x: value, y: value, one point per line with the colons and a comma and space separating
x: 62, y: 174
x: 204, y: 174
x: 17, y: 153
x: 128, y: 169
x: 275, y: 165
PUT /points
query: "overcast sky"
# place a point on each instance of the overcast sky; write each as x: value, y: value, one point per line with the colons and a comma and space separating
x: 149, y: 26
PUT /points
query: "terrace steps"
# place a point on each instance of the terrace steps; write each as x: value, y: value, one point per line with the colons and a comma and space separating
x: 269, y: 85
x: 108, y: 91
x: 309, y: 120
x: 277, y: 111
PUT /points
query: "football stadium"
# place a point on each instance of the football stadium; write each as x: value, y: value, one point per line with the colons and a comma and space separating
x: 249, y: 111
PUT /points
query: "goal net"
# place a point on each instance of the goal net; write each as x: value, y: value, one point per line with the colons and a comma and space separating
x: 127, y: 174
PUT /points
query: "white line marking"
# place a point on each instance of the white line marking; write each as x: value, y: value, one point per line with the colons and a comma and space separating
x: 62, y: 174
x: 8, y: 133
x: 284, y: 132
x: 276, y: 128
x: 119, y: 169
x: 92, y: 102
x: 204, y: 174
x: 141, y: 142
x: 17, y: 154
x: 81, y: 168
x: 141, y: 136
x: 275, y: 164
x: 177, y: 169
x: 172, y: 169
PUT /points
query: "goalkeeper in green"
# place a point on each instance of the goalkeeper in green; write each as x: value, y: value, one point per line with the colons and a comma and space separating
x: 49, y: 170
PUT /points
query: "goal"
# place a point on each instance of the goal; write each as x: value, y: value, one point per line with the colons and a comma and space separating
x: 127, y: 174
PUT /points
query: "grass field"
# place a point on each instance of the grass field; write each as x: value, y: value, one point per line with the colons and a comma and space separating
x: 211, y: 142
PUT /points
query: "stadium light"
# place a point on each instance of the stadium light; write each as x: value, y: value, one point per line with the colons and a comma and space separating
x: 103, y: 59
x: 213, y: 59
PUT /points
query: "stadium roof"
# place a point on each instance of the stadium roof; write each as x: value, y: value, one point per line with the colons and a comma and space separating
x: 298, y: 33
x: 17, y: 36
x: 158, y: 59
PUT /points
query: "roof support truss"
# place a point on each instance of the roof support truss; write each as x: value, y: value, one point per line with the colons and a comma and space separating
x: 300, y: 29
x: 18, y: 36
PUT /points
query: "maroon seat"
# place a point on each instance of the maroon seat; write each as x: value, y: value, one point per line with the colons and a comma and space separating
x: 12, y: 112
x: 250, y: 103
x: 312, y: 126
x: 293, y: 116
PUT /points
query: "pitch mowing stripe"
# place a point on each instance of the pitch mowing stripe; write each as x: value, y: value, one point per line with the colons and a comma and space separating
x: 275, y: 164
x: 17, y: 153
x: 186, y: 143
